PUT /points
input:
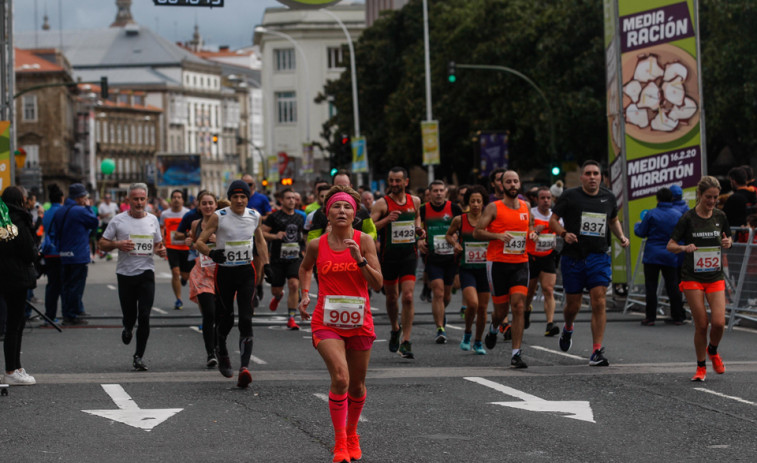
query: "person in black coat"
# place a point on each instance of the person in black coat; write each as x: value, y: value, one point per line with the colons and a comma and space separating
x: 17, y: 256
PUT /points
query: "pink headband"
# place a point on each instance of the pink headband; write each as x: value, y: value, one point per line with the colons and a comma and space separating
x: 341, y: 196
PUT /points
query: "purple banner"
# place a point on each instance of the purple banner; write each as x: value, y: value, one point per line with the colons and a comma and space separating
x: 493, y: 151
x: 654, y: 27
x: 647, y: 175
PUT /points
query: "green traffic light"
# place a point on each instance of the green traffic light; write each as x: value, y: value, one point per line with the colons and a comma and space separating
x: 555, y: 171
x: 452, y: 78
x: 334, y: 170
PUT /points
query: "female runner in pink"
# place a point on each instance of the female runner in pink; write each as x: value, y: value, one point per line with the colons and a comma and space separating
x: 342, y: 324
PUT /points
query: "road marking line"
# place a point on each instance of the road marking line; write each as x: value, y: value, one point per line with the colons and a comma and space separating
x: 258, y: 360
x: 195, y: 328
x: 745, y: 330
x: 112, y: 287
x: 325, y: 398
x: 737, y: 399
x: 557, y: 352
x: 454, y: 327
x: 160, y: 311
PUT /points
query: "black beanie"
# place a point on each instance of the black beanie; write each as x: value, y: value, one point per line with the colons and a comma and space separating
x: 238, y: 186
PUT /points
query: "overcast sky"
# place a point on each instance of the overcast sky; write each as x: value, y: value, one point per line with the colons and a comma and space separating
x: 231, y: 25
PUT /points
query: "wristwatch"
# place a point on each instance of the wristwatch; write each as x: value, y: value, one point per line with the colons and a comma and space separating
x: 363, y: 263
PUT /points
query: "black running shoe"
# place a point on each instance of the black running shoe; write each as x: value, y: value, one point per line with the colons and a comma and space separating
x: 224, y: 366
x: 551, y: 330
x: 566, y: 340
x: 598, y: 359
x: 126, y: 336
x: 406, y: 350
x: 527, y: 317
x: 517, y: 362
x: 139, y: 364
x: 394, y: 340
x: 212, y: 361
x: 507, y: 333
x: 490, y: 340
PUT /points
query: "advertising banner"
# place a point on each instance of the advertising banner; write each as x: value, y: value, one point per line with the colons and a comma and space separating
x: 307, y: 158
x: 273, y: 169
x: 178, y: 170
x: 430, y: 134
x: 655, y: 122
x: 359, y: 155
x: 493, y: 152
x: 5, y: 155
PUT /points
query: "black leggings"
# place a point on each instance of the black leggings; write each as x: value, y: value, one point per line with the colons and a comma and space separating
x: 207, y: 303
x: 136, y: 294
x: 231, y: 281
x: 670, y: 275
x: 15, y: 301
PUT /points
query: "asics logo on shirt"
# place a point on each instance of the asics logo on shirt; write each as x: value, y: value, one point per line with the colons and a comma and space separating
x: 330, y: 266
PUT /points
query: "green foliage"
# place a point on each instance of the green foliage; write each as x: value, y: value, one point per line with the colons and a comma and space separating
x: 556, y: 43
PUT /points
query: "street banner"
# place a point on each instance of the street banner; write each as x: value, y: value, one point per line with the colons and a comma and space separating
x: 654, y: 108
x: 493, y: 152
x: 5, y: 155
x: 307, y: 158
x: 430, y: 134
x: 359, y: 155
x: 178, y: 170
x: 273, y: 169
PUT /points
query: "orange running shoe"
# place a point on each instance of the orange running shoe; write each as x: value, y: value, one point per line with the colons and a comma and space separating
x: 292, y: 325
x: 274, y: 304
x: 353, y: 445
x: 700, y: 375
x: 245, y: 378
x: 717, y: 363
x: 341, y: 454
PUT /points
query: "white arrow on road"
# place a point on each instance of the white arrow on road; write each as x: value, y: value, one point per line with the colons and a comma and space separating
x: 575, y: 409
x: 129, y: 412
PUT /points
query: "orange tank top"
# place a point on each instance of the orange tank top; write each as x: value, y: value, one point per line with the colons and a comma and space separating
x: 515, y: 222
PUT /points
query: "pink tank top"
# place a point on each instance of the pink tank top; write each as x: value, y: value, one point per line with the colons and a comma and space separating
x: 339, y: 275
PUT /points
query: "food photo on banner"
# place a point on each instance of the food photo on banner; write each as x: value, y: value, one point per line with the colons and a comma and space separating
x: 178, y: 170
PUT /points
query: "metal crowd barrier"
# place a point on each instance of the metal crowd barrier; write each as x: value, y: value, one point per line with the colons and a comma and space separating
x: 637, y: 294
x: 740, y: 267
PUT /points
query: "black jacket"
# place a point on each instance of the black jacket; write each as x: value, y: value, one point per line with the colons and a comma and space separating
x: 17, y: 256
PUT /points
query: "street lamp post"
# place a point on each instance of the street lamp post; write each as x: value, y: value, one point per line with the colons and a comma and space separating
x: 427, y: 63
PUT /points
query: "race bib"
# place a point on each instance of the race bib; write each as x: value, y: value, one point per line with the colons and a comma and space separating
x: 545, y: 243
x: 142, y: 245
x: 707, y: 260
x: 403, y: 232
x: 238, y: 252
x: 442, y: 247
x: 517, y: 244
x: 593, y: 223
x: 289, y: 251
x: 343, y: 311
x: 206, y: 261
x: 475, y: 252
x: 175, y: 240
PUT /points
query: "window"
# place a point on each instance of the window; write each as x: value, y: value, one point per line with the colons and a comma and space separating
x: 335, y: 57
x: 139, y: 100
x: 32, y: 155
x: 30, y: 108
x: 284, y: 59
x: 286, y: 107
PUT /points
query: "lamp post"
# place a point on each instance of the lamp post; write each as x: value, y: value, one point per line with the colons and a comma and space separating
x: 427, y: 63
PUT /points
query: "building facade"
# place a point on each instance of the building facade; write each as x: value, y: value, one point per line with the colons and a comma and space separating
x: 373, y: 8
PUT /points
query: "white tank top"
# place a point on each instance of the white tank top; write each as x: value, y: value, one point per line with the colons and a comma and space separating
x: 236, y: 229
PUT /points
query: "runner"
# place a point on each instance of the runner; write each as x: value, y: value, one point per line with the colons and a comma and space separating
x: 704, y: 231
x: 590, y: 213
x: 342, y: 322
x: 472, y: 274
x: 362, y: 223
x: 202, y: 289
x: 436, y: 217
x: 136, y: 235
x: 398, y: 223
x: 177, y: 250
x: 542, y: 260
x: 506, y: 224
x: 237, y: 234
x: 283, y: 230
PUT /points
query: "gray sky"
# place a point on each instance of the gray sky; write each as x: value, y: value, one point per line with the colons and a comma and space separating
x: 231, y: 25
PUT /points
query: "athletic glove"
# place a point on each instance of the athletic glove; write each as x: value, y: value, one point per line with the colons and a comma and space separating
x: 268, y: 272
x: 217, y: 255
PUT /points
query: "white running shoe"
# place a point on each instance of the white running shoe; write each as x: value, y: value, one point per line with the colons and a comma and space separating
x: 17, y: 378
x: 23, y: 372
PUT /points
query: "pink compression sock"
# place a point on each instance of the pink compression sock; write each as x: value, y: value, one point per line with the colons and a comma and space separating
x: 354, y: 409
x: 338, y: 409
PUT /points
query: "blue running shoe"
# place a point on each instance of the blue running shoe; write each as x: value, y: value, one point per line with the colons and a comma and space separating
x: 566, y: 340
x: 478, y: 348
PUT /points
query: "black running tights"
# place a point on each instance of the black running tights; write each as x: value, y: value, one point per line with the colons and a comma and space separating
x: 15, y: 301
x: 207, y: 303
x: 240, y: 282
x: 136, y: 294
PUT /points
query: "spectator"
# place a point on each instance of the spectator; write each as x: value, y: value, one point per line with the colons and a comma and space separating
x: 257, y: 201
x: 106, y: 210
x: 657, y: 226
x: 52, y: 256
x: 556, y: 189
x: 750, y: 181
x: 743, y: 200
x: 70, y: 229
x: 678, y: 201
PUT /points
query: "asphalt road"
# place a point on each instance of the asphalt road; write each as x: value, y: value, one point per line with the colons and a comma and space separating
x: 446, y: 405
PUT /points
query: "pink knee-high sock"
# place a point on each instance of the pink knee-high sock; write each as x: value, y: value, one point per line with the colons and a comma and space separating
x: 354, y: 409
x: 338, y: 409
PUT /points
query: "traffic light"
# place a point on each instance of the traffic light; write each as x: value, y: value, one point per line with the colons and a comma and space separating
x: 104, y: 87
x: 264, y: 182
x: 555, y: 170
x: 452, y: 72
x: 334, y: 170
x: 215, y: 139
x: 286, y: 181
